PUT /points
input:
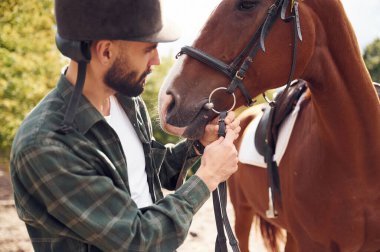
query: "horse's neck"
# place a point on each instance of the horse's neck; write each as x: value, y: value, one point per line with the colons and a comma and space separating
x: 342, y: 90
x: 339, y: 79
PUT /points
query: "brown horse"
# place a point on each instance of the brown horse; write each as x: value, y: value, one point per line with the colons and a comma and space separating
x: 330, y: 171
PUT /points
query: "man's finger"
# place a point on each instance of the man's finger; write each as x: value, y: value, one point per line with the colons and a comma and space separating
x: 230, y: 136
x: 230, y: 117
x: 237, y: 131
x: 234, y: 124
x: 216, y: 142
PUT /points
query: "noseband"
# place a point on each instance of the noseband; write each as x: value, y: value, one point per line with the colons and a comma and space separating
x: 236, y: 72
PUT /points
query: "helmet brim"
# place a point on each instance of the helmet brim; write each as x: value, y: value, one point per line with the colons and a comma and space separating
x: 170, y: 32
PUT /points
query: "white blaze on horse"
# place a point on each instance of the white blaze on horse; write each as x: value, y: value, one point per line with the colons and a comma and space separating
x: 328, y: 195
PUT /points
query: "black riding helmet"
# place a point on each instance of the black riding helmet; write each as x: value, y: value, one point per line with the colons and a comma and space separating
x: 80, y: 22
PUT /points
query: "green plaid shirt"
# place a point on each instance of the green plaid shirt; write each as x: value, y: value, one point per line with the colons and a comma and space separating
x: 72, y: 189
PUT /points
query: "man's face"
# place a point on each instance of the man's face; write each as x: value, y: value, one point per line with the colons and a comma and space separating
x: 128, y: 73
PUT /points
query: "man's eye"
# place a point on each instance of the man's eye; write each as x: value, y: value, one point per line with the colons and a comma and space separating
x: 150, y: 49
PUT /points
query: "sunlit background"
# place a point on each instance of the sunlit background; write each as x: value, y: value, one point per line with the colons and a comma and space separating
x: 191, y: 15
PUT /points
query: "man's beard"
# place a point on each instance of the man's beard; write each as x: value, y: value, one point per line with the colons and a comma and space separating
x: 125, y: 83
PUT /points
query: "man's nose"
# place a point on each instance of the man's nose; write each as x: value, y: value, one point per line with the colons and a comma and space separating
x: 155, y: 61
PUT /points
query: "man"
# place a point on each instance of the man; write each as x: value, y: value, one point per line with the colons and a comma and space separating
x: 86, y: 172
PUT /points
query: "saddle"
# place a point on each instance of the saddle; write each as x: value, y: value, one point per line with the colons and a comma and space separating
x: 285, y: 105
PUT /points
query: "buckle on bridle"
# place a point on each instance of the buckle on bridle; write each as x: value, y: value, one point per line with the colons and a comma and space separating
x: 271, y: 9
x: 237, y: 75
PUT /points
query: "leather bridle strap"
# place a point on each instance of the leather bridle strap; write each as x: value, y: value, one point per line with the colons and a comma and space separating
x: 272, y: 167
x: 296, y: 35
x: 237, y: 81
x: 219, y: 197
x: 228, y: 70
x: 231, y: 71
x: 221, y: 241
x: 222, y: 188
x: 215, y: 63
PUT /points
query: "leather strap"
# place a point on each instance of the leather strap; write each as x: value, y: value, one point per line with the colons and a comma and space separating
x: 199, y: 146
x: 272, y: 168
x: 223, y: 202
x: 222, y: 124
x: 74, y: 99
x: 208, y: 60
x: 219, y: 197
x: 221, y: 241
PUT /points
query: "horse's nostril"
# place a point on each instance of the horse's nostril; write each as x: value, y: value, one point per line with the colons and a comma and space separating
x: 171, y: 105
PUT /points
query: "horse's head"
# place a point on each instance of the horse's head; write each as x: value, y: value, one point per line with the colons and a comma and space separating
x: 235, y: 30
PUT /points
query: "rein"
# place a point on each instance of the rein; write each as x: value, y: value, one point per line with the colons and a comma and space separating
x: 237, y: 74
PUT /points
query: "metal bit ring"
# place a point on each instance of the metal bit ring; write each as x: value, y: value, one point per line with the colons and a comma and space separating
x: 221, y: 88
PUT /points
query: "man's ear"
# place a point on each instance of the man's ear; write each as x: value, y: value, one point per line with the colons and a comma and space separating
x: 104, y: 51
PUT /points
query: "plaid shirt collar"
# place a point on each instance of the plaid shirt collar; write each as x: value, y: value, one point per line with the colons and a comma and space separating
x: 86, y: 114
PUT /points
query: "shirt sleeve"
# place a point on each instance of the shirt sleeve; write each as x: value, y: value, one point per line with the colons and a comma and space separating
x: 71, y: 193
x: 184, y: 152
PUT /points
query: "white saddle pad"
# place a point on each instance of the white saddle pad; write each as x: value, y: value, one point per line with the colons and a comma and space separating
x: 248, y: 153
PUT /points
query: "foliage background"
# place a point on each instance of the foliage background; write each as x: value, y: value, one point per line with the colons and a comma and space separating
x: 29, y: 62
x: 150, y: 96
x: 371, y: 58
x: 30, y: 65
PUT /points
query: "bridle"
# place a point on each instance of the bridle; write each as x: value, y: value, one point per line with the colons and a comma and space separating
x: 236, y: 72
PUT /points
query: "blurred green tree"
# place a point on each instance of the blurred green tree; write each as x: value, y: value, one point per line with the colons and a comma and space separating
x: 29, y: 62
x: 371, y: 58
x: 150, y: 97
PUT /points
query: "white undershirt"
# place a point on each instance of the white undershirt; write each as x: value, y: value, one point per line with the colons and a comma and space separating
x: 133, y: 151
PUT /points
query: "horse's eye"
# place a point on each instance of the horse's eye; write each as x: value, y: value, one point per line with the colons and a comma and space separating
x: 246, y: 4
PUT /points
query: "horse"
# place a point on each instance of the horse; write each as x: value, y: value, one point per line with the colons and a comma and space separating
x: 330, y: 194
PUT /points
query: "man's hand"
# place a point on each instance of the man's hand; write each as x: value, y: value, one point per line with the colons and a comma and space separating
x: 211, y: 130
x: 219, y: 161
